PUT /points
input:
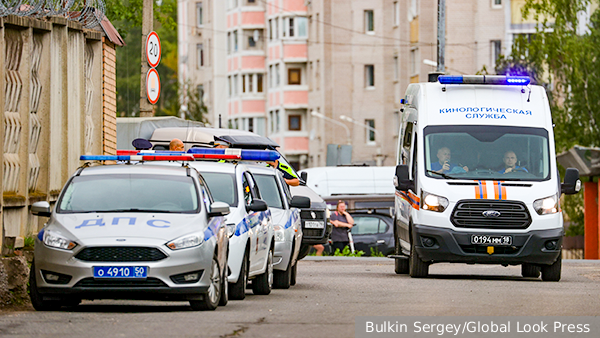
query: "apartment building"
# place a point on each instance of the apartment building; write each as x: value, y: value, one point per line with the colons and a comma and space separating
x: 311, y: 73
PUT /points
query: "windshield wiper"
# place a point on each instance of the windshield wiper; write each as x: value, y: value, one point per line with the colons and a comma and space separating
x: 442, y: 174
x: 132, y: 210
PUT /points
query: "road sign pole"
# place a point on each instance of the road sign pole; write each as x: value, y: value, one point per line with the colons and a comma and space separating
x: 147, y: 24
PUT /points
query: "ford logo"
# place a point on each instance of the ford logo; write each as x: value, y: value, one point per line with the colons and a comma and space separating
x: 491, y: 214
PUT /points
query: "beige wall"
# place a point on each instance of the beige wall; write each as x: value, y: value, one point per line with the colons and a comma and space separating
x: 58, y: 92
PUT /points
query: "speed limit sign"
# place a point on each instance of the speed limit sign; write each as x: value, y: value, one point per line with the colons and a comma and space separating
x: 153, y: 49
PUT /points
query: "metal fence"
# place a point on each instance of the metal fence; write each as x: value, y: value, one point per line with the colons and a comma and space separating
x: 87, y: 12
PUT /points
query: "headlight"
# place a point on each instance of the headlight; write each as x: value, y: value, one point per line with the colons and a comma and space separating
x: 187, y: 241
x: 433, y: 202
x: 55, y: 239
x: 279, y: 235
x: 230, y: 229
x: 548, y: 205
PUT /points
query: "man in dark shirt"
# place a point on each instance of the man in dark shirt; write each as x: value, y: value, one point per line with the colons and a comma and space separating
x: 342, y: 223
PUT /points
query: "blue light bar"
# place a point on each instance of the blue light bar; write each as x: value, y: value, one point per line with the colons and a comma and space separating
x: 246, y: 154
x: 485, y: 79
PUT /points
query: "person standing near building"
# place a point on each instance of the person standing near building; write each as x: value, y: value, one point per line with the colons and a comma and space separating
x: 342, y: 223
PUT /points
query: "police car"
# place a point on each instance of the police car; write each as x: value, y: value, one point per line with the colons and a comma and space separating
x: 252, y: 244
x: 285, y: 213
x: 131, y: 231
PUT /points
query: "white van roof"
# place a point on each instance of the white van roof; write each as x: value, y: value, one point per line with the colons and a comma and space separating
x: 328, y: 181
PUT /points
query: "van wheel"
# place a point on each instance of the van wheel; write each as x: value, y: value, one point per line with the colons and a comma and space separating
x: 237, y: 290
x: 551, y: 273
x: 294, y: 273
x: 530, y: 270
x: 400, y: 264
x: 263, y: 283
x: 210, y: 301
x: 37, y: 299
x: 417, y: 268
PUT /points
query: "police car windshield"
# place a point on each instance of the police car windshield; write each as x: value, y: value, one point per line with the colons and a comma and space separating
x: 487, y: 153
x: 130, y: 193
x: 222, y: 187
x: 269, y: 191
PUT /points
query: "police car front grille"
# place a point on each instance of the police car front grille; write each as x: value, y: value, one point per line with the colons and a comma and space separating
x: 120, y: 254
x: 120, y: 283
x: 312, y: 214
x: 469, y: 214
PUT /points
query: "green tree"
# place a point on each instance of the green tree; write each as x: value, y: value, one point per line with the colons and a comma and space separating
x: 563, y: 56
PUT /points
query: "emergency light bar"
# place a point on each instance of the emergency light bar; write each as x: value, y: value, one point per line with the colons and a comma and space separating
x: 245, y: 154
x: 188, y: 157
x: 485, y: 79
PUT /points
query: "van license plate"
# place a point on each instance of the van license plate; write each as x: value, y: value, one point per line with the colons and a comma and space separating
x: 491, y: 240
x: 314, y: 225
x: 120, y: 271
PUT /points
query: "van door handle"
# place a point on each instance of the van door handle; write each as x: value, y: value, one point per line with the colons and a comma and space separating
x: 381, y: 241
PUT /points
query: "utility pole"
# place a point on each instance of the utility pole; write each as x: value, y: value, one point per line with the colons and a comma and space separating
x: 146, y: 108
x: 441, y: 36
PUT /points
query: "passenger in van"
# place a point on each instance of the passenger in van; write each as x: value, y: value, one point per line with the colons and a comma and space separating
x: 176, y: 145
x: 510, y: 163
x: 342, y: 224
x: 444, y: 165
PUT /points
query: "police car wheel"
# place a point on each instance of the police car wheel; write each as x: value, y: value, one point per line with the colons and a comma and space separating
x: 551, y: 273
x: 294, y: 273
x: 263, y: 283
x: 37, y: 299
x: 210, y: 300
x: 530, y: 270
x: 237, y: 290
x: 282, y: 279
x: 224, y: 286
x: 417, y: 268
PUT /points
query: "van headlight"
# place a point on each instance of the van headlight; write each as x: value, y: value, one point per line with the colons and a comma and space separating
x: 187, y: 241
x: 433, y: 202
x: 55, y: 239
x: 279, y: 235
x: 548, y: 205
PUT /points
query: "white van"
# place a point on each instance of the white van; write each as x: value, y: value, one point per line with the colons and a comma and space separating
x: 476, y: 177
x: 329, y: 181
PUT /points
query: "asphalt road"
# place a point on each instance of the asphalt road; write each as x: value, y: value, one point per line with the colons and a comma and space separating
x: 330, y: 293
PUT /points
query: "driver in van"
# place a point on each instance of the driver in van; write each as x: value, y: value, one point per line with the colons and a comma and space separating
x: 444, y: 165
x: 510, y: 163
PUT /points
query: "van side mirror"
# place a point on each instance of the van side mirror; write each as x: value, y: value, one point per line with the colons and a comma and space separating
x: 257, y: 205
x: 218, y: 209
x: 41, y: 208
x: 402, y: 181
x: 300, y: 202
x: 572, y: 184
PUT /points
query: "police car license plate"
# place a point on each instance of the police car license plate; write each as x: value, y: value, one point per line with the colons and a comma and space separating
x: 491, y: 240
x: 314, y: 225
x: 120, y: 271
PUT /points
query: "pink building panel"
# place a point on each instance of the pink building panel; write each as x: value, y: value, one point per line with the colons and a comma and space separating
x: 253, y: 62
x: 294, y: 5
x: 299, y: 97
x: 274, y: 53
x: 296, y: 144
x: 233, y: 108
x: 274, y: 100
x: 253, y: 106
x: 253, y: 18
x: 295, y: 51
x: 235, y: 63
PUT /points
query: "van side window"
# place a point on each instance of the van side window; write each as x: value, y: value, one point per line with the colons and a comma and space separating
x: 407, y: 141
x: 414, y: 162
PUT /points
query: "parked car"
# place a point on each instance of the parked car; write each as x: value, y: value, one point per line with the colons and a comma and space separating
x: 373, y: 221
x: 286, y: 219
x: 111, y: 235
x: 252, y: 245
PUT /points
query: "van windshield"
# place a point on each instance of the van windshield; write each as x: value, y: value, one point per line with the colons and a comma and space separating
x: 487, y: 153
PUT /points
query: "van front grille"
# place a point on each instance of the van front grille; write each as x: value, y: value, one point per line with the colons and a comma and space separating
x: 490, y: 214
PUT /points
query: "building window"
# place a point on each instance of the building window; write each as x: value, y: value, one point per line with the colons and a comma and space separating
x: 270, y: 30
x: 235, y: 41
x: 200, y: 50
x: 496, y: 51
x: 200, y: 89
x: 396, y: 13
x: 251, y: 1
x: 370, y: 130
x: 295, y: 27
x: 259, y: 83
x: 294, y: 76
x: 396, y: 69
x: 270, y: 76
x: 369, y: 76
x: 251, y: 42
x: 369, y: 24
x: 277, y: 121
x: 199, y: 21
x: 317, y: 26
x: 413, y: 62
x: 228, y: 42
x: 277, y: 75
x: 318, y: 75
x: 248, y: 84
x: 230, y: 85
x: 496, y: 3
x: 310, y: 76
x: 295, y: 122
x: 235, y: 85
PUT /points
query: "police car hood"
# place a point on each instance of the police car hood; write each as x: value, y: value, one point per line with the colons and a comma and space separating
x: 163, y: 226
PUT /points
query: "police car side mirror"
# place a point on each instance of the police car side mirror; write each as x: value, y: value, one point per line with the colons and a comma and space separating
x: 402, y: 181
x: 41, y: 209
x: 572, y: 184
x: 300, y: 202
x: 304, y: 176
x: 257, y: 205
x: 218, y: 209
